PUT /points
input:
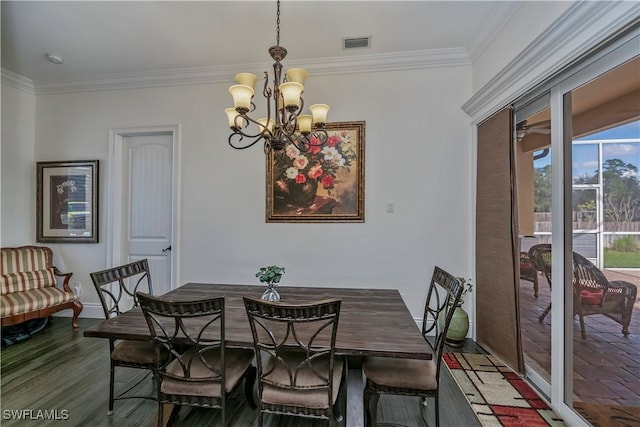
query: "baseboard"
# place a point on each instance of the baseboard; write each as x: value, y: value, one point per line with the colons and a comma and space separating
x: 89, y: 311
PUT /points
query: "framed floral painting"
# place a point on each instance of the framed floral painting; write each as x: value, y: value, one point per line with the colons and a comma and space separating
x: 67, y: 202
x: 323, y: 184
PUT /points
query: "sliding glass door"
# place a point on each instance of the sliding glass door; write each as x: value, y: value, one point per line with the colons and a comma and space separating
x: 603, y: 367
x: 578, y: 181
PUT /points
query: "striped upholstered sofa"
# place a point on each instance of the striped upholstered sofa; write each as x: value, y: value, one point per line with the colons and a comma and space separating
x: 29, y: 286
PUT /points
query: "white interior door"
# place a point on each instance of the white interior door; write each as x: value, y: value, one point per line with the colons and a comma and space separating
x: 147, y: 204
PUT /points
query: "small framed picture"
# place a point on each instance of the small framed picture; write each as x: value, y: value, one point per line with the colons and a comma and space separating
x: 67, y: 202
x: 323, y: 184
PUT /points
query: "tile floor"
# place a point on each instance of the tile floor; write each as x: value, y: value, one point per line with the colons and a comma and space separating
x: 606, y: 364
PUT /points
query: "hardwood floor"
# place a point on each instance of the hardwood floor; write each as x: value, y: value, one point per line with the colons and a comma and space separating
x: 67, y: 375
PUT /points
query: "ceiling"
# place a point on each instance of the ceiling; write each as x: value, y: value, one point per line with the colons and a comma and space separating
x: 115, y: 38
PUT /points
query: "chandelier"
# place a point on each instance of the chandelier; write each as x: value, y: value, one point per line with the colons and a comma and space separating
x: 284, y: 122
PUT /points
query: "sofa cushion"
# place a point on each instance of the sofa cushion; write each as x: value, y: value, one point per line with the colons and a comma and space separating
x: 26, y: 280
x: 30, y: 258
x: 32, y: 300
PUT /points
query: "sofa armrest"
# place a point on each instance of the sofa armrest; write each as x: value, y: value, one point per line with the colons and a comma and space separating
x: 67, y: 278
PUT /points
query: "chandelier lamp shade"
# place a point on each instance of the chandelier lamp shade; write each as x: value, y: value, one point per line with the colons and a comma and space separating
x: 284, y: 122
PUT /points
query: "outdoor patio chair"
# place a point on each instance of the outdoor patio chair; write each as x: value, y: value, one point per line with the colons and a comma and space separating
x: 540, y: 258
x: 593, y: 293
x: 528, y: 272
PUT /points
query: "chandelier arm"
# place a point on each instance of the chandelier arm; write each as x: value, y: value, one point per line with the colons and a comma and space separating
x: 266, y: 92
x: 263, y: 130
x: 321, y: 135
x: 289, y: 125
x: 293, y: 139
x: 240, y: 138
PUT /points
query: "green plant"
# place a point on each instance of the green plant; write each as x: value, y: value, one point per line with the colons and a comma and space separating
x: 625, y: 244
x: 270, y: 274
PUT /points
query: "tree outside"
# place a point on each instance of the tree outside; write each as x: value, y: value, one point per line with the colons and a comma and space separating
x: 620, y: 189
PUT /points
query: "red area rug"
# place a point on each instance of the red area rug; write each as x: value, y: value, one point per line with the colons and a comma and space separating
x: 499, y: 396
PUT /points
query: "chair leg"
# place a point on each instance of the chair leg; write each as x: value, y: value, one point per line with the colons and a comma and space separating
x: 111, y: 386
x: 173, y: 415
x: 260, y: 420
x: 370, y: 399
x: 583, y: 332
x: 337, y: 414
x: 374, y: 409
x: 77, y: 308
x: 535, y: 284
x: 160, y: 414
x: 437, y: 409
x: 367, y: 394
x: 544, y: 313
x: 249, y: 381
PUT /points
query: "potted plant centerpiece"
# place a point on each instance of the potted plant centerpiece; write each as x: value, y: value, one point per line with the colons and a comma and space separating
x: 459, y: 325
x: 271, y: 276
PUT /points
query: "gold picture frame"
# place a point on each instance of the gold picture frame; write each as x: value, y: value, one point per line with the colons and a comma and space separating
x: 325, y: 184
x: 67, y: 202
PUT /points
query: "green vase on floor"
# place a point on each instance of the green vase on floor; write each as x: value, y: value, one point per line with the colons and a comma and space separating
x: 458, y: 327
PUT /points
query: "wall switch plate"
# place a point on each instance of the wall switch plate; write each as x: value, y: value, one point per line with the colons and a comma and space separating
x: 391, y: 206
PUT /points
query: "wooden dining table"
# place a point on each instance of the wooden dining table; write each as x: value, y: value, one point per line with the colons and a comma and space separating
x: 373, y: 322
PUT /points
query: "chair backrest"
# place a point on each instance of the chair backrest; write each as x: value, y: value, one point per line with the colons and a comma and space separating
x: 540, y: 256
x: 117, y: 286
x: 444, y: 294
x: 586, y: 276
x: 194, y: 325
x: 294, y: 343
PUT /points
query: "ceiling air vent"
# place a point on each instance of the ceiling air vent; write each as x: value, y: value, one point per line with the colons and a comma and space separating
x: 356, y: 42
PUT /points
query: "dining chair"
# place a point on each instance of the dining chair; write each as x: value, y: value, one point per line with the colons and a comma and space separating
x: 298, y: 373
x: 201, y: 371
x: 116, y: 288
x: 412, y: 377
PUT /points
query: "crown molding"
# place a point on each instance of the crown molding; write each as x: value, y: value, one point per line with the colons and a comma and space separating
x: 580, y: 28
x: 498, y: 18
x: 224, y: 74
x: 17, y: 81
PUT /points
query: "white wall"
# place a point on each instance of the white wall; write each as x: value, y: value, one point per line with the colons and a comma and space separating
x: 17, y: 218
x: 417, y: 154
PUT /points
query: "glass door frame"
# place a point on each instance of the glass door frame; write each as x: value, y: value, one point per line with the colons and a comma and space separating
x: 561, y: 386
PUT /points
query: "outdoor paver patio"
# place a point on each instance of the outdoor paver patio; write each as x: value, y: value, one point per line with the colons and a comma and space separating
x: 606, y: 365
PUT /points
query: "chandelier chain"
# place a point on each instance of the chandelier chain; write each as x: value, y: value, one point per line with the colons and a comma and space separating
x: 278, y: 24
